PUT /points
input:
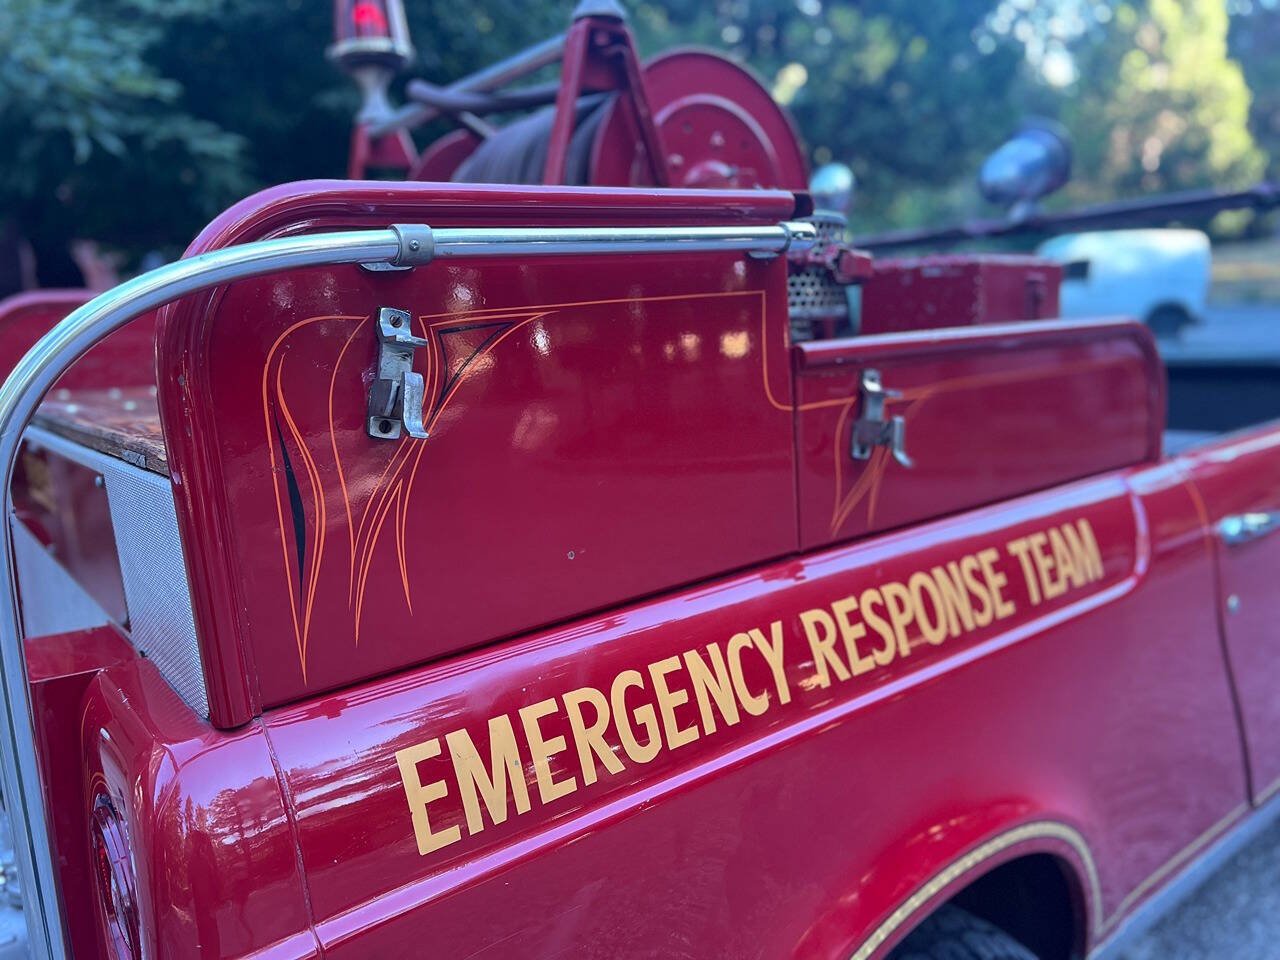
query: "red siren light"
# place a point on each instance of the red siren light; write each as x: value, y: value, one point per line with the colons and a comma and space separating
x: 370, y: 33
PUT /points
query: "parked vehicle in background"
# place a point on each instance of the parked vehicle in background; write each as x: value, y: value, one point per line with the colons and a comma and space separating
x: 1160, y: 276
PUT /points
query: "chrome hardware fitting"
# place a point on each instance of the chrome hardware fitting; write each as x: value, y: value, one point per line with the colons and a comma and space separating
x: 1246, y: 527
x: 800, y: 236
x: 871, y: 429
x: 395, y: 398
x: 417, y: 248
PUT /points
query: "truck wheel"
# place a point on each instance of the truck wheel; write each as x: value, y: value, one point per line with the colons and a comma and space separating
x: 1167, y: 320
x: 952, y: 934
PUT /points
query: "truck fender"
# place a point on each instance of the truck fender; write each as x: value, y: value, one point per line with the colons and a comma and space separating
x: 176, y: 790
x: 918, y: 871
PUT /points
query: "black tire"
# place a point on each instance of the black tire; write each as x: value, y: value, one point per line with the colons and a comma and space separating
x: 1168, y: 320
x: 952, y: 934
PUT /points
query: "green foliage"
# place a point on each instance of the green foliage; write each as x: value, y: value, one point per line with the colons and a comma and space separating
x: 1160, y: 106
x: 1254, y: 41
x: 898, y: 89
x: 94, y: 125
x: 135, y: 121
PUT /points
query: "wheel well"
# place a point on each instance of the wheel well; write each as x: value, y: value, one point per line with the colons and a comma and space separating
x: 1034, y: 899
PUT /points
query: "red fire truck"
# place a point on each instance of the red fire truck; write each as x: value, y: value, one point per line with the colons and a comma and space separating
x: 566, y: 569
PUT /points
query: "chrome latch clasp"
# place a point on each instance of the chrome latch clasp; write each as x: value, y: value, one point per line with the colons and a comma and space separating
x: 871, y: 429
x: 396, y: 396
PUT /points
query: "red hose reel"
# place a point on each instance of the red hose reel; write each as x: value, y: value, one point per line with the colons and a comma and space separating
x: 686, y: 118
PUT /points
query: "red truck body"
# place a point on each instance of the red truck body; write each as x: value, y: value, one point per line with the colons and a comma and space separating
x: 619, y: 595
x: 629, y: 658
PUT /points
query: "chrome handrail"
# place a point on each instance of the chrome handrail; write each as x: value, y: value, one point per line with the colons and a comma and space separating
x: 535, y: 241
x: 35, y: 374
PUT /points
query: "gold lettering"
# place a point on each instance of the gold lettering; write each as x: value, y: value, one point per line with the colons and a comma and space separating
x: 590, y: 739
x: 874, y: 627
x: 897, y: 600
x: 1062, y: 557
x: 643, y: 715
x: 1084, y: 549
x: 996, y: 581
x: 668, y: 700
x: 420, y: 795
x: 851, y: 631
x: 494, y: 782
x: 1053, y: 587
x: 920, y: 584
x: 820, y: 630
x: 969, y: 568
x: 542, y: 749
x: 712, y: 683
x: 955, y: 598
x: 773, y: 655
x: 867, y: 602
x: 755, y: 704
x: 1021, y: 549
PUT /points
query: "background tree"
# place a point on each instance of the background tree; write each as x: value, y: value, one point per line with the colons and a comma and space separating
x: 1160, y: 105
x: 1254, y: 42
x: 134, y: 121
x: 900, y: 90
x: 98, y: 144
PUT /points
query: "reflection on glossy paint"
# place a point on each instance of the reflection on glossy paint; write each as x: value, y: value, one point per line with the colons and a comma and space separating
x: 735, y: 344
x: 690, y: 346
x: 462, y: 297
x: 541, y: 340
x: 534, y: 428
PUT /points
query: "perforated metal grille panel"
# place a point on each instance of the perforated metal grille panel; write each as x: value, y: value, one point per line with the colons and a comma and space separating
x: 812, y: 294
x: 161, y: 624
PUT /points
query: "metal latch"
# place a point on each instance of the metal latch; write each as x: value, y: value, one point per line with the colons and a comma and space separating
x: 395, y: 399
x: 871, y: 429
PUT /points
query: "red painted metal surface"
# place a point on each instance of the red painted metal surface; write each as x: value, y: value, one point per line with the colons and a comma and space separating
x: 125, y: 359
x: 717, y: 123
x: 213, y: 847
x: 586, y: 414
x: 793, y: 829
x: 922, y: 293
x: 439, y: 160
x: 61, y: 668
x: 762, y: 763
x: 1089, y: 396
x: 689, y: 118
x: 600, y: 55
x: 1235, y: 477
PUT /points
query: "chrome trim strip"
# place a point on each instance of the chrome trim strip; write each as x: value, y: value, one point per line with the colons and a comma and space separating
x: 463, y: 242
x: 37, y: 372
